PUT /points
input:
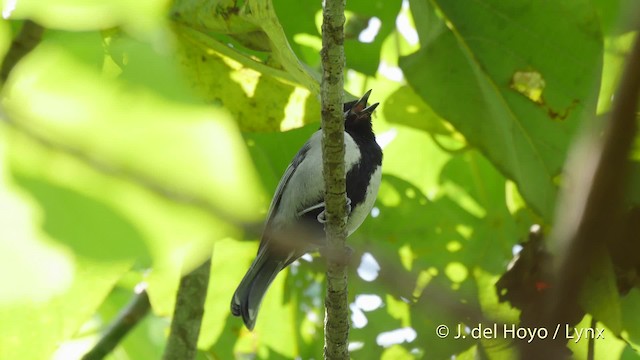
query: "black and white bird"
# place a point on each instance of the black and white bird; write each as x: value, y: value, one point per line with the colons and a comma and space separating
x: 294, y: 224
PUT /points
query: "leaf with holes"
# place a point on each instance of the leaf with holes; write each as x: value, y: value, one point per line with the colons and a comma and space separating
x: 514, y: 78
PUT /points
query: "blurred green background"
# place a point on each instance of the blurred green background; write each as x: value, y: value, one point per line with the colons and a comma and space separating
x: 140, y: 137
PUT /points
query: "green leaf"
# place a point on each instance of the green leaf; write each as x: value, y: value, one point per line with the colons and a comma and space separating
x: 260, y: 97
x: 397, y: 352
x: 493, y: 78
x: 87, y: 226
x: 630, y: 307
x: 405, y: 107
x: 231, y: 259
x: 599, y: 296
x: 33, y: 330
x: 365, y: 57
x: 144, y: 64
x: 181, y: 146
x: 40, y: 267
x: 616, y: 50
x: 444, y: 250
x: 617, y: 16
x: 177, y: 172
x: 608, y: 346
x: 88, y: 14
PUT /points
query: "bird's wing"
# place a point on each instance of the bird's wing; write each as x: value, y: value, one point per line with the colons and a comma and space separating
x: 296, y: 191
x: 288, y: 173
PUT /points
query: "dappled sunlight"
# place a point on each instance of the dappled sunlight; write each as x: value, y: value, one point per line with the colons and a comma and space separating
x: 397, y: 336
x: 456, y: 272
x: 369, y: 267
x: 247, y: 78
x: 368, y: 302
x: 294, y: 111
x: 405, y: 26
x: 454, y: 246
x: 139, y: 139
x: 369, y: 34
x: 314, y: 42
x: 434, y: 255
x: 358, y: 318
x: 391, y: 72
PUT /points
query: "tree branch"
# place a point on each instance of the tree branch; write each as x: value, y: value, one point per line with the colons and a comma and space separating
x: 28, y: 38
x: 187, y: 315
x: 126, y: 320
x: 591, y: 210
x: 336, y: 327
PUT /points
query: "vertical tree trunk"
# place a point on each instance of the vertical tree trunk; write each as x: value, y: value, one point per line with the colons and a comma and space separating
x: 336, y: 327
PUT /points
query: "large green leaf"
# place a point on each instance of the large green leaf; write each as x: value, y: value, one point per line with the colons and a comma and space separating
x: 111, y: 120
x: 147, y: 176
x: 89, y: 227
x: 34, y: 329
x: 230, y: 261
x: 630, y: 307
x: 600, y: 296
x: 88, y: 14
x: 40, y: 268
x: 515, y: 78
x: 258, y: 95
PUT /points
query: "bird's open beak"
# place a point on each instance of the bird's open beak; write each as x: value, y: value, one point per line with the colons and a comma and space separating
x: 360, y: 108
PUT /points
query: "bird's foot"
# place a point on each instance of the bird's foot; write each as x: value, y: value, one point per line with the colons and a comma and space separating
x: 322, y: 217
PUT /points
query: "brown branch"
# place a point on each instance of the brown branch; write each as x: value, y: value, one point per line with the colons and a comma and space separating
x: 28, y: 38
x: 126, y: 320
x: 336, y: 328
x: 187, y: 315
x: 591, y: 209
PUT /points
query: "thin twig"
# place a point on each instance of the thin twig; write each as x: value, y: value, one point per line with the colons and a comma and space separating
x: 591, y: 347
x: 126, y: 320
x: 336, y: 327
x: 187, y: 315
x: 28, y: 38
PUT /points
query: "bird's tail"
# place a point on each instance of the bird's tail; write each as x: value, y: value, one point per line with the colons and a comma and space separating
x: 248, y: 296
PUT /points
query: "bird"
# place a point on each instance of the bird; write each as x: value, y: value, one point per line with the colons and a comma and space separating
x: 295, y: 220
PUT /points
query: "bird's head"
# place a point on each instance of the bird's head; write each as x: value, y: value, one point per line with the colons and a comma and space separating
x: 357, y: 116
